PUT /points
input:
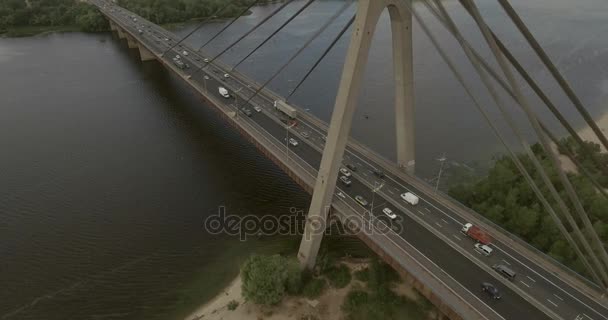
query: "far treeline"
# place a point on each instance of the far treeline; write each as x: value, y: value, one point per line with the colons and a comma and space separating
x: 20, y: 17
x: 172, y: 11
x: 505, y: 197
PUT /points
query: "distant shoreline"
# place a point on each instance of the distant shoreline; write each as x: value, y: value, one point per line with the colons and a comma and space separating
x: 587, y: 134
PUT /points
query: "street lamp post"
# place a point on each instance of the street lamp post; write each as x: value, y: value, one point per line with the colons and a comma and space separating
x: 442, y: 161
x: 287, y: 127
x: 236, y: 102
x: 377, y: 187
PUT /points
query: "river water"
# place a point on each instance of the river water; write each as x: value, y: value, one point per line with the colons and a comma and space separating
x: 109, y: 166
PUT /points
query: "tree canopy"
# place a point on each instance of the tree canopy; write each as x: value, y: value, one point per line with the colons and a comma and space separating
x: 50, y: 13
x: 171, y: 11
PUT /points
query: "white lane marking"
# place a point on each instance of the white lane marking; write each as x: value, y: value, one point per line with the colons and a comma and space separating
x: 365, y: 174
x: 391, y: 191
x: 587, y: 316
x: 422, y: 213
x: 553, y: 303
x: 396, y: 190
x: 506, y: 262
x: 457, y: 237
x: 438, y: 224
x: 531, y: 279
x: 444, y: 221
x: 427, y: 209
x: 359, y: 164
x: 525, y: 284
x: 560, y: 298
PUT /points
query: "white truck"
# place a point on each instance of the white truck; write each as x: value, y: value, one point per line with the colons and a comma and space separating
x: 410, y: 198
x: 285, y: 108
x: 224, y: 92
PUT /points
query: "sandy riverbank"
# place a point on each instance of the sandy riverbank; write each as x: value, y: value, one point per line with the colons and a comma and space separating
x: 587, y: 134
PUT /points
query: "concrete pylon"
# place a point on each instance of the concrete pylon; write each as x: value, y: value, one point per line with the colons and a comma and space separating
x: 113, y: 26
x: 145, y: 54
x: 121, y: 34
x: 131, y: 43
x: 368, y: 14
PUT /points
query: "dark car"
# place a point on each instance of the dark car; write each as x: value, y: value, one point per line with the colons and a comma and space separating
x: 351, y: 167
x: 491, y: 290
x: 246, y: 111
x: 379, y: 173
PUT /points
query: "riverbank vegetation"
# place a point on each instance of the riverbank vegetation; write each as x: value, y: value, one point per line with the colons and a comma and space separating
x: 375, y: 292
x: 505, y: 197
x: 175, y: 11
x: 24, y: 18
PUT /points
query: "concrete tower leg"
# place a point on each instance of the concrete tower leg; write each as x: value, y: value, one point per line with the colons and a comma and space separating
x: 368, y: 14
x: 113, y: 26
x: 121, y: 34
x: 131, y: 42
x: 403, y: 59
x: 145, y: 54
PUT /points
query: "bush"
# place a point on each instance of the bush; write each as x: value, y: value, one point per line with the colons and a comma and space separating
x: 381, y: 275
x: 354, y: 299
x: 264, y: 279
x: 232, y: 305
x: 362, y: 275
x: 293, y: 283
x: 314, y: 287
x: 338, y: 276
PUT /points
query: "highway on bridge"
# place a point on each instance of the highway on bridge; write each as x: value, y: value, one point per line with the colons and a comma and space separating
x: 431, y: 227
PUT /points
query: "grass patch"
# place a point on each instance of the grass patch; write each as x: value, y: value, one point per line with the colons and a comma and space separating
x: 314, y: 287
x: 338, y: 276
x: 362, y: 275
x: 232, y: 305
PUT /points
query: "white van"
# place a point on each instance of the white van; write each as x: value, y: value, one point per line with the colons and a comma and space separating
x: 483, y: 249
x: 224, y: 92
x: 410, y: 198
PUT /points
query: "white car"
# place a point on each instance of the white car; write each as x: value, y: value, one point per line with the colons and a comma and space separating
x: 206, y: 60
x: 483, y: 249
x: 341, y: 195
x: 185, y: 53
x: 389, y: 213
x: 226, y: 75
x: 257, y: 109
x: 293, y: 142
x: 206, y: 77
x: 410, y: 198
x: 345, y: 181
x: 345, y: 172
x: 304, y: 134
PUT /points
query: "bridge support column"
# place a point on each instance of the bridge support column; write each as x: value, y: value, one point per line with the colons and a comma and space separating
x: 113, y: 26
x: 131, y: 42
x: 368, y: 14
x: 145, y: 54
x: 403, y: 62
x: 121, y: 34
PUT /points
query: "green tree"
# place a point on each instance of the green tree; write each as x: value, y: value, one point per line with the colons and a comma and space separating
x: 264, y: 279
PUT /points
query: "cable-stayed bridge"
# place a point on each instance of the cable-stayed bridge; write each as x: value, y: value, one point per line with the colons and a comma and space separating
x: 431, y: 251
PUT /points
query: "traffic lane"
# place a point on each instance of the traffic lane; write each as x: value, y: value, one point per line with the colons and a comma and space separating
x: 470, y: 276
